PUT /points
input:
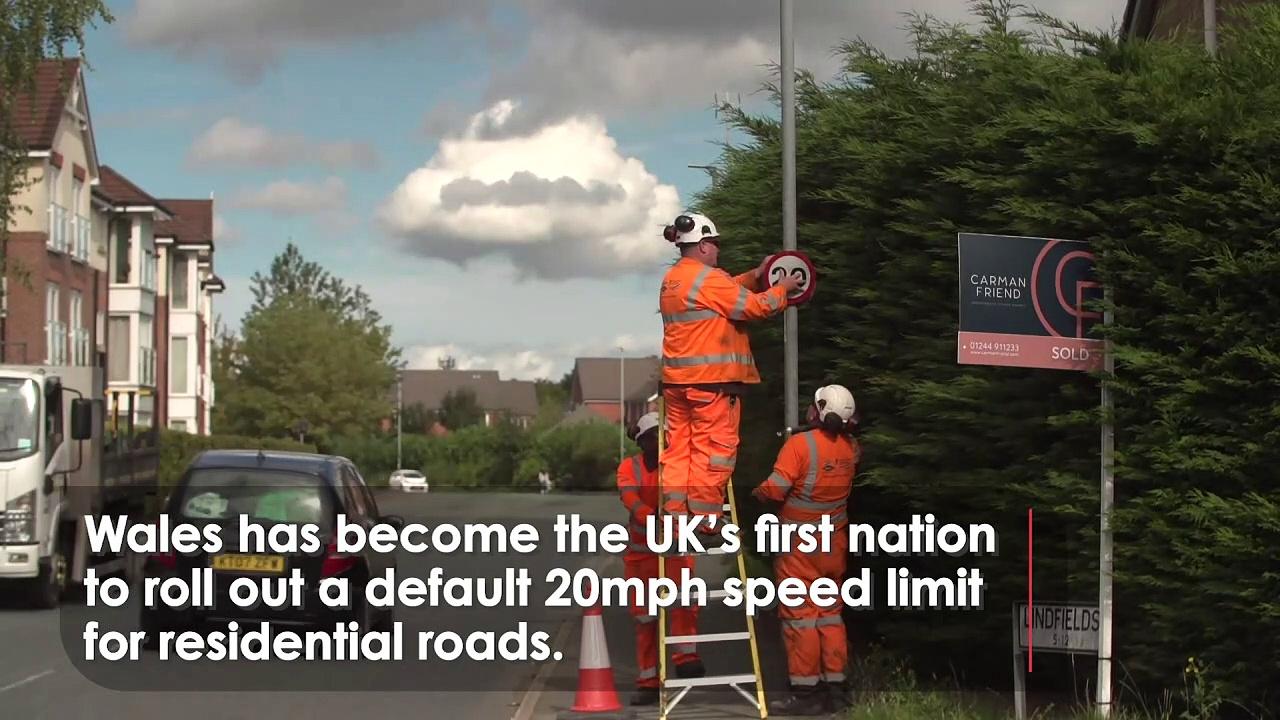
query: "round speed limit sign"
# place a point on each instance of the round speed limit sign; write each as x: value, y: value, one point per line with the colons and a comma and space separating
x: 792, y: 262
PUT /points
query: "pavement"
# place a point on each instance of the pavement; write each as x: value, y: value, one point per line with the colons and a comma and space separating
x: 38, y: 678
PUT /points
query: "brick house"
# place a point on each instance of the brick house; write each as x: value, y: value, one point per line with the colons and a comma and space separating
x: 135, y: 320
x: 614, y: 387
x: 56, y: 262
x: 185, y: 249
x: 1169, y: 19
x: 516, y: 400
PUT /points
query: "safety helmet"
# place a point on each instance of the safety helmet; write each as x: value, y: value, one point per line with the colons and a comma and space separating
x: 647, y: 422
x: 834, y: 399
x: 690, y: 229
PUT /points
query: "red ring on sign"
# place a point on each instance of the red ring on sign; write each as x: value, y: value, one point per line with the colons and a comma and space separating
x: 804, y: 295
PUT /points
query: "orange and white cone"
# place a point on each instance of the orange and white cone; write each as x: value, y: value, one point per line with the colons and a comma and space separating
x: 596, y: 696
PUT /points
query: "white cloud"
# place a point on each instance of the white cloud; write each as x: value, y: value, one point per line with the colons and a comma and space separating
x: 286, y: 197
x: 560, y: 200
x: 617, y: 57
x: 231, y: 142
x: 249, y: 36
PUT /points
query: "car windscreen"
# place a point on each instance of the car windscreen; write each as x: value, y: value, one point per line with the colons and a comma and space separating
x: 267, y: 497
x: 19, y: 418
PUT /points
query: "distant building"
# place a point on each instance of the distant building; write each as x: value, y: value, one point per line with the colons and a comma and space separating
x: 497, y: 398
x: 1169, y: 19
x: 611, y: 387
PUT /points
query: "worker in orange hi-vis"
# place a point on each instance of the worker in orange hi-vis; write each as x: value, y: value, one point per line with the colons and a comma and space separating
x: 812, y: 479
x: 638, y: 487
x: 706, y: 365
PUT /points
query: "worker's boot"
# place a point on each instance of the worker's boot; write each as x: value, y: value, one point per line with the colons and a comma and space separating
x: 644, y: 696
x: 691, y: 669
x: 840, y: 694
x: 803, y: 701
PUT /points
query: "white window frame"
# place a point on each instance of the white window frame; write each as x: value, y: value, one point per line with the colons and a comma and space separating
x: 54, y: 336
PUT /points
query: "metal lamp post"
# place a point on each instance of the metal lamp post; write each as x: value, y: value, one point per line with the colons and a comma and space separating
x: 790, y: 322
x: 622, y: 404
x: 399, y: 414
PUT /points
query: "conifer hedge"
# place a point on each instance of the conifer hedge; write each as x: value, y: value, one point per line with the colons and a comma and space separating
x: 1168, y: 162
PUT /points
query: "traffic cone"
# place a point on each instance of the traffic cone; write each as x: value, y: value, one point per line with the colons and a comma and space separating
x: 596, y: 698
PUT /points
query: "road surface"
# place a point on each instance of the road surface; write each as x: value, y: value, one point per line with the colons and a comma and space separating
x: 39, y: 680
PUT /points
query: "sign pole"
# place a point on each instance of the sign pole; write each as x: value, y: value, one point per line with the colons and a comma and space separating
x: 1106, y: 555
x: 1019, y: 680
x: 790, y: 321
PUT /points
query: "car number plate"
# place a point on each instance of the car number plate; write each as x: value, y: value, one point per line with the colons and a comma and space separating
x: 249, y: 563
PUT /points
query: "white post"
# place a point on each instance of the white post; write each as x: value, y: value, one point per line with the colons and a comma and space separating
x: 1106, y: 554
x: 1019, y: 680
x: 622, y: 404
x: 790, y: 322
x: 399, y: 412
x: 1211, y: 26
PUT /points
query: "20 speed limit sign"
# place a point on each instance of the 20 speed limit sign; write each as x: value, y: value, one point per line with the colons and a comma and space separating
x: 793, y: 262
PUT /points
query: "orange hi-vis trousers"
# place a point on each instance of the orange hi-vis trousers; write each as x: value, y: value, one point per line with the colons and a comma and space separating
x: 684, y: 620
x: 702, y: 449
x: 817, y: 647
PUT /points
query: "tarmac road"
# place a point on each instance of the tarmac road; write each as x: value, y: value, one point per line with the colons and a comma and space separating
x: 38, y: 678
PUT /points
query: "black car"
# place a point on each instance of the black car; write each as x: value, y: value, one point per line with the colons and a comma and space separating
x: 270, y: 489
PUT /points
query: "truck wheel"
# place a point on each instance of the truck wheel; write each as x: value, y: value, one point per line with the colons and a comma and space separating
x: 51, y: 585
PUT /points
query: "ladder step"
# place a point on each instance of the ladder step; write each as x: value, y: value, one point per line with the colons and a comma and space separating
x: 711, y: 680
x: 718, y: 594
x: 707, y: 637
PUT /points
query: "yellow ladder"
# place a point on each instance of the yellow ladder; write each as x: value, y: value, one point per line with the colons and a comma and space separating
x: 682, y: 686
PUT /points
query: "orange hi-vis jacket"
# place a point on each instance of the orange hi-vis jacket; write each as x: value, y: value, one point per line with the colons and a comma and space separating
x: 703, y: 339
x: 813, y: 476
x: 638, y: 488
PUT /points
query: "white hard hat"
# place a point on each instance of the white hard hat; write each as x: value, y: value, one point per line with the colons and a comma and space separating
x: 834, y: 399
x: 647, y: 422
x: 691, y: 228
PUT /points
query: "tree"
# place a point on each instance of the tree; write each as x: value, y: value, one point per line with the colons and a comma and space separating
x: 223, y: 370
x: 32, y: 31
x: 292, y: 275
x: 459, y: 409
x: 311, y: 350
x: 416, y: 419
x: 1163, y: 159
x: 553, y: 401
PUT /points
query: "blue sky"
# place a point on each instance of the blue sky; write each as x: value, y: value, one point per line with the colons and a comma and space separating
x: 346, y: 127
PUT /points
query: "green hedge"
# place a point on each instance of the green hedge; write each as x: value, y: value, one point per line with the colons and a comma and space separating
x: 580, y: 457
x: 178, y: 449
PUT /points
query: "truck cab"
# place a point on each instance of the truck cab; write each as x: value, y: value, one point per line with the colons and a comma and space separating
x: 52, y: 475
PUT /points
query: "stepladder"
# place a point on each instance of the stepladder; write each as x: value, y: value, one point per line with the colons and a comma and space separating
x: 671, y: 691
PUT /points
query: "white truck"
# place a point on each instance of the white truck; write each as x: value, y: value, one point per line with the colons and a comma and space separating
x: 55, y: 471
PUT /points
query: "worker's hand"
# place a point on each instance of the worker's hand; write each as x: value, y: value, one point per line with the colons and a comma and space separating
x: 790, y: 282
x: 759, y: 271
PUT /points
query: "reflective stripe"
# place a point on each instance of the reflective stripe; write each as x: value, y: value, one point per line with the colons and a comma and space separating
x: 638, y: 529
x: 675, y: 496
x: 724, y: 461
x: 647, y: 673
x: 833, y: 676
x: 696, y: 360
x: 646, y: 619
x: 800, y: 622
x: 772, y: 301
x: 810, y: 477
x: 699, y: 506
x: 690, y: 316
x: 836, y: 518
x: 828, y: 620
x: 801, y: 504
x: 686, y: 648
x: 637, y: 468
x: 777, y: 479
x: 804, y: 680
x: 739, y: 309
x: 691, y: 300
